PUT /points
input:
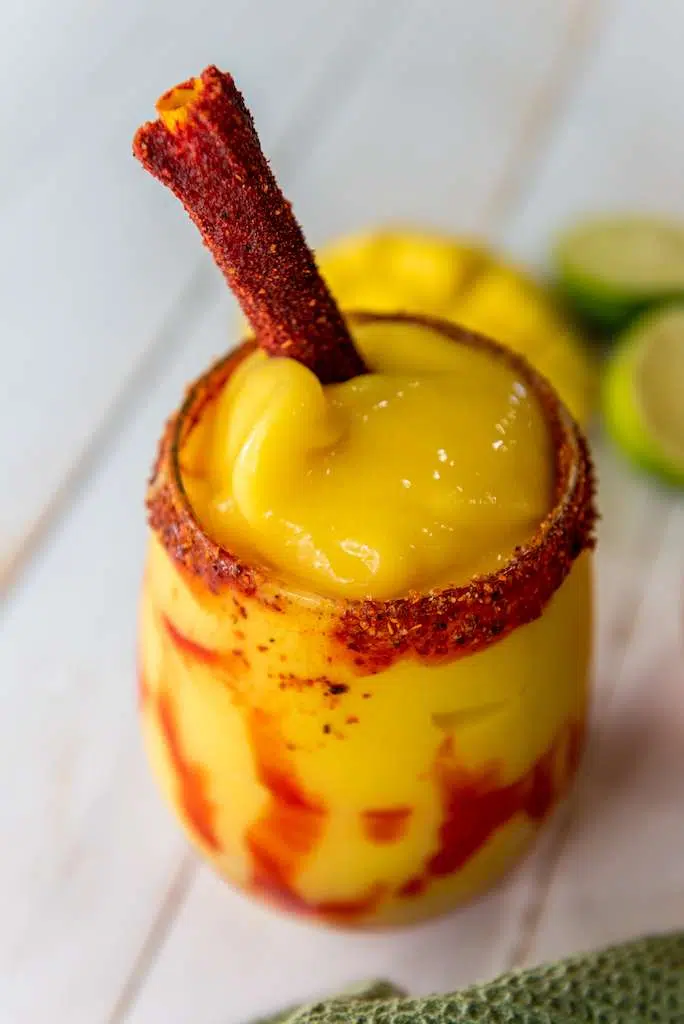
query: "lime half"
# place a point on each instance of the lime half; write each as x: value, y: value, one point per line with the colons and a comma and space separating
x: 611, y: 268
x: 643, y: 393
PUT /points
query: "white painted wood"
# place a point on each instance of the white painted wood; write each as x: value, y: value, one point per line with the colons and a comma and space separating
x: 432, y: 136
x: 631, y: 533
x: 227, y: 960
x: 93, y: 855
x: 95, y: 253
x: 619, y: 144
x: 621, y: 872
x: 88, y: 852
x: 95, y: 859
x: 618, y: 147
x: 92, y: 866
x: 634, y: 517
x: 596, y: 161
x: 214, y: 941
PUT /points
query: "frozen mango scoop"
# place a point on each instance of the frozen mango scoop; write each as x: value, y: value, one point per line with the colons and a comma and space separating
x: 428, y: 469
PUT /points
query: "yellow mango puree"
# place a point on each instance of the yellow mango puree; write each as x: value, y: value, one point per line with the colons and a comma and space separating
x: 429, y: 469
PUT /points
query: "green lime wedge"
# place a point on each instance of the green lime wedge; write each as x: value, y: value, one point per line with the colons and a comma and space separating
x: 611, y: 268
x: 643, y: 393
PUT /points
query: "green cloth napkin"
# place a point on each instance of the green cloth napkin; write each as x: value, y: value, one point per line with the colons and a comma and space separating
x: 639, y: 982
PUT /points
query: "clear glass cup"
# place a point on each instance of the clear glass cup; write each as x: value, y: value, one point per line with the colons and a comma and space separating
x: 364, y: 763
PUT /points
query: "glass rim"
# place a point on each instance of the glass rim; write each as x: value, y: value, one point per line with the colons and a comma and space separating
x: 443, y: 622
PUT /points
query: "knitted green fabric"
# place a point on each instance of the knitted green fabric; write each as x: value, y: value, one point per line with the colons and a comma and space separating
x: 370, y: 990
x: 640, y: 982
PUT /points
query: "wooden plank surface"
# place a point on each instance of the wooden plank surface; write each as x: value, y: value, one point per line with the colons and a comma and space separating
x: 618, y: 866
x: 96, y: 256
x: 98, y: 857
x: 95, y: 854
x: 337, y: 188
x: 620, y: 871
x: 85, y: 939
x: 515, y: 122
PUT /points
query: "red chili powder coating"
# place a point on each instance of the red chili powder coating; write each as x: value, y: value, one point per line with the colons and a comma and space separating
x: 198, y: 810
x: 386, y: 825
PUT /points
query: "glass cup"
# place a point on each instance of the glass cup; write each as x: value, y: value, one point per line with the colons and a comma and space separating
x: 364, y: 763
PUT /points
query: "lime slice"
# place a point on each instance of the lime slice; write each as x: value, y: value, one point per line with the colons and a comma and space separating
x: 611, y: 268
x: 643, y: 393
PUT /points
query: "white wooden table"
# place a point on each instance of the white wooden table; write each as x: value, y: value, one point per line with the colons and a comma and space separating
x: 493, y: 117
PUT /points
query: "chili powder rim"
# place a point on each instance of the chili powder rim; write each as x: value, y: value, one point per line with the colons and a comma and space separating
x: 444, y: 622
